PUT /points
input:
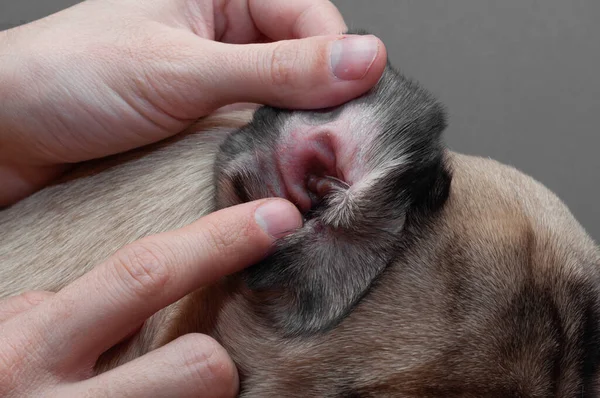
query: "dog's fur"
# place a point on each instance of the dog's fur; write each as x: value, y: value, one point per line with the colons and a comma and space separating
x: 423, y: 273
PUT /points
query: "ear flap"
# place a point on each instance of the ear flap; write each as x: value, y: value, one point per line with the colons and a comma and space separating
x: 318, y: 274
x: 315, y: 277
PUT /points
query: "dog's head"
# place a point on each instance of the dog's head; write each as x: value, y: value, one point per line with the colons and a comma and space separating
x: 418, y: 272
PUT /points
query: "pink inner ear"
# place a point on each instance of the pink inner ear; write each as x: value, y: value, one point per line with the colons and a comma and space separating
x: 307, y: 152
x: 304, y: 156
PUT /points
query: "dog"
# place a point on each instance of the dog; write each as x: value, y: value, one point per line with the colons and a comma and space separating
x: 419, y: 272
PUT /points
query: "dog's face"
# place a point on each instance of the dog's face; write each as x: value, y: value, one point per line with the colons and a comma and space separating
x: 418, y: 272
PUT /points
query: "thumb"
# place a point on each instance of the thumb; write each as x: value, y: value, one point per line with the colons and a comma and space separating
x: 315, y: 72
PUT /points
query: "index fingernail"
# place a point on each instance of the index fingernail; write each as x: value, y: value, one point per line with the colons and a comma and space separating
x: 278, y: 218
x: 352, y: 56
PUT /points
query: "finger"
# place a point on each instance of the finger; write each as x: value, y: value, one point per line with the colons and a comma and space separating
x: 241, y: 21
x: 310, y: 73
x: 296, y: 19
x: 14, y: 305
x: 20, y: 181
x: 245, y: 21
x: 240, y: 106
x: 99, y: 309
x: 193, y: 365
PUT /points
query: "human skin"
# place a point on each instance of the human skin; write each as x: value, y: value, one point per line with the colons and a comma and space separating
x: 107, y: 76
x: 49, y: 342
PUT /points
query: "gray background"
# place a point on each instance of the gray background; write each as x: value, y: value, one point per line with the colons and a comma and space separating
x: 519, y: 78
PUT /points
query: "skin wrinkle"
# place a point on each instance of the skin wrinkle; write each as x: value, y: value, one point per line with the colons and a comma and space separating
x: 281, y: 66
x: 152, y: 83
x: 220, y: 241
x: 195, y: 12
x: 32, y: 74
x: 21, y: 303
x: 151, y: 88
x: 252, y: 6
x: 59, y: 136
x: 261, y: 35
x: 296, y: 30
x: 10, y: 369
x: 283, y: 70
x: 239, y: 25
x: 17, y: 363
x: 220, y: 22
x: 142, y: 107
x: 205, y: 363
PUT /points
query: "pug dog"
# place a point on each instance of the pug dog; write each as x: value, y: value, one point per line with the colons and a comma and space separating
x: 418, y: 272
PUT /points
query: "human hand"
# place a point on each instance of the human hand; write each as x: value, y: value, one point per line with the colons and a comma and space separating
x: 50, y: 342
x: 107, y: 76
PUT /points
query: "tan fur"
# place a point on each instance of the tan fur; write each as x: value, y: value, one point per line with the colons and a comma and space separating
x: 500, y: 234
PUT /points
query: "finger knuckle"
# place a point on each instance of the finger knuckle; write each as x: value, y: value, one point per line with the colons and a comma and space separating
x: 143, y: 267
x: 205, y: 359
x: 283, y: 66
x: 33, y: 298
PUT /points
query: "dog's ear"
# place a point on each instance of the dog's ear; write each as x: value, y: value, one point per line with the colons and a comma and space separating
x: 318, y: 274
x: 361, y: 173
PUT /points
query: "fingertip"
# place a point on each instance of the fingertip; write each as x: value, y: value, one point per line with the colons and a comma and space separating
x: 278, y: 218
x: 352, y: 57
x: 357, y: 63
x: 236, y: 237
x: 206, y: 360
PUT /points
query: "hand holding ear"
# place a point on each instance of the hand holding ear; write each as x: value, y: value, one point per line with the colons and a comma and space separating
x: 107, y: 76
